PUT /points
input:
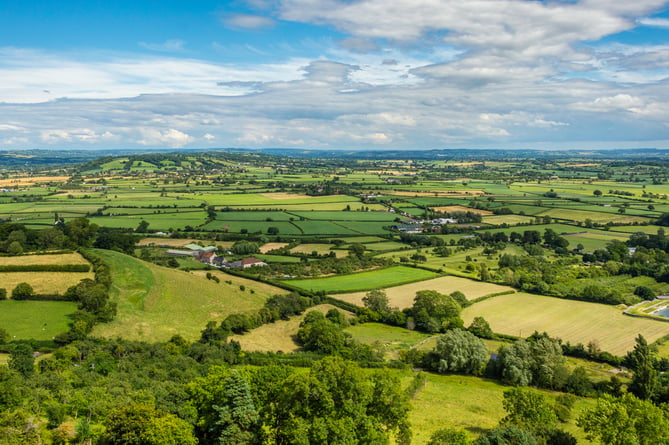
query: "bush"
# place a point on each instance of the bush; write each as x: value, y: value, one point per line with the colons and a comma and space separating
x: 23, y: 291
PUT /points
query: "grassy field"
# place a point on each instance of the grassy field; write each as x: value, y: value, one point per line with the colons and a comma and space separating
x: 39, y: 320
x: 468, y: 403
x: 25, y: 260
x: 43, y: 282
x: 277, y: 336
x: 155, y: 302
x: 573, y: 321
x: 403, y: 296
x: 365, y: 280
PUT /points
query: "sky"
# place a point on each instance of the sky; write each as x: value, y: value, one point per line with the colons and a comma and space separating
x: 334, y: 74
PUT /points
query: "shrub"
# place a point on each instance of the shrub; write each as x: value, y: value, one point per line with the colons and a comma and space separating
x: 22, y: 291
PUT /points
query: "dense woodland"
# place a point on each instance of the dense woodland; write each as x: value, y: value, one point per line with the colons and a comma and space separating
x: 335, y: 389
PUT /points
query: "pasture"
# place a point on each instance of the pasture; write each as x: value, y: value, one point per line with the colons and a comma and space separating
x: 402, y: 296
x: 39, y: 320
x: 155, y: 303
x: 521, y: 314
x: 374, y: 279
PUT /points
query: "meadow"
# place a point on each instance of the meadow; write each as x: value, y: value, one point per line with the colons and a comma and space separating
x: 39, y: 320
x: 468, y: 403
x: 521, y: 314
x: 375, y: 279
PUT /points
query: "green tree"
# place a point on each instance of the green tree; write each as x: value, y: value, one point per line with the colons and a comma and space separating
x: 431, y: 308
x: 480, y: 328
x: 642, y: 360
x: 238, y: 422
x: 319, y: 334
x: 624, y: 421
x: 21, y: 359
x: 357, y: 250
x: 461, y: 351
x: 529, y: 410
x: 376, y: 300
x: 23, y: 291
x: 142, y: 227
x: 337, y: 403
x: 142, y: 424
x: 15, y: 248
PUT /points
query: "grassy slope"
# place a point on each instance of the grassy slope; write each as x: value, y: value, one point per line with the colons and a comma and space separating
x: 156, y: 302
x: 573, y: 321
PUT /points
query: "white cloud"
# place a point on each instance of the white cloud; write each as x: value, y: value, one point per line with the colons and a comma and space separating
x: 247, y: 21
x: 655, y: 22
x: 172, y: 138
x: 33, y: 76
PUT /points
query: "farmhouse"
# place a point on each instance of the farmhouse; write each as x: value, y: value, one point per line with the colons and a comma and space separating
x: 205, y: 257
x: 244, y: 263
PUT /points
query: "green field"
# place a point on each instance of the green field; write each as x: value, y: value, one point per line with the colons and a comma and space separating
x: 573, y: 321
x: 365, y: 280
x: 155, y: 302
x: 39, y: 320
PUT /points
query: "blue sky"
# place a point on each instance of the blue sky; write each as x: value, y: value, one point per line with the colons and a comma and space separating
x: 364, y: 74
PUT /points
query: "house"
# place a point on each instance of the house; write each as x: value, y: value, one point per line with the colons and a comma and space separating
x: 252, y: 262
x: 244, y: 263
x: 205, y: 257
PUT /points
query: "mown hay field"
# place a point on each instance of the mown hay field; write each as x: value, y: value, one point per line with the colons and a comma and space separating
x: 43, y: 282
x: 573, y: 321
x: 155, y: 303
x: 271, y: 246
x: 403, y: 296
x: 30, y: 260
x: 374, y: 279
